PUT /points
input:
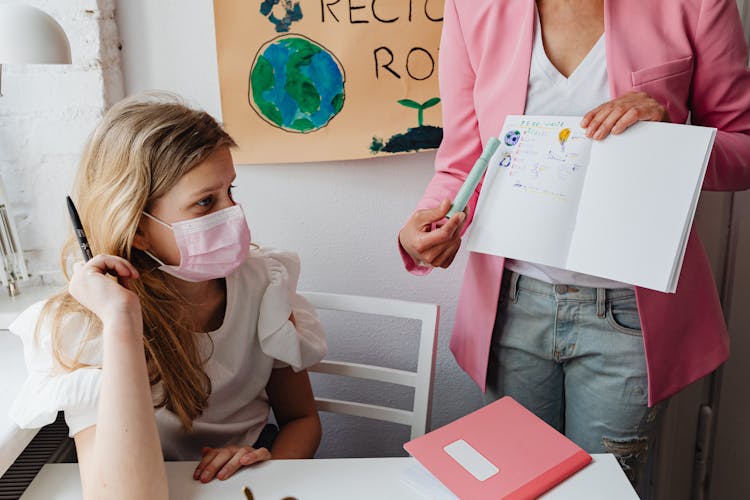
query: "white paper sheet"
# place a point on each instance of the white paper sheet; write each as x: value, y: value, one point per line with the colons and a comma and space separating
x: 620, y: 208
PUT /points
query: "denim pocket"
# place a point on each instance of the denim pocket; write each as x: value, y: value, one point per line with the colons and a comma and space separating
x: 622, y: 315
x: 504, y: 287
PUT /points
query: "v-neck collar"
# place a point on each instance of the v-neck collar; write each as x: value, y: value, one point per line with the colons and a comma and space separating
x: 539, y: 55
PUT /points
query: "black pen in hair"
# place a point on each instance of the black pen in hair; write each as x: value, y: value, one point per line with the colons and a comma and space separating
x: 78, y: 228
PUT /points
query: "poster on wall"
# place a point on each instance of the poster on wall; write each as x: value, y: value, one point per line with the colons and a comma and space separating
x: 315, y: 80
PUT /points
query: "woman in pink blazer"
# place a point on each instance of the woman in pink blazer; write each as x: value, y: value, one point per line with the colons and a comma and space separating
x: 595, y: 360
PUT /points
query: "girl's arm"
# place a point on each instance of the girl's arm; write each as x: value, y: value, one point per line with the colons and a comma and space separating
x: 293, y: 405
x: 290, y: 397
x: 121, y: 456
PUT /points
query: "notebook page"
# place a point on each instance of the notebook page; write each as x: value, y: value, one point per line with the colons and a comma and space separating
x: 529, y: 198
x: 640, y: 193
x: 691, y: 216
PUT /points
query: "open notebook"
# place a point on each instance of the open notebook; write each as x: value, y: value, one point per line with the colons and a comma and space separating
x: 499, y: 451
x: 620, y: 208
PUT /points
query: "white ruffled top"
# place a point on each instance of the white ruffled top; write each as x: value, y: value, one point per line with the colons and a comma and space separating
x: 255, y: 337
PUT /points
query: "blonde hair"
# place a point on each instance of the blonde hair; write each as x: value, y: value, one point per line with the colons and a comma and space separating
x: 137, y: 153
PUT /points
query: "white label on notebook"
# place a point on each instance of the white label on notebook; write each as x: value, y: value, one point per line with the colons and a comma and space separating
x: 471, y: 460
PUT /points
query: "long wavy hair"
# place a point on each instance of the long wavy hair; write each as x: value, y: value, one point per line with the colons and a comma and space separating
x: 137, y: 153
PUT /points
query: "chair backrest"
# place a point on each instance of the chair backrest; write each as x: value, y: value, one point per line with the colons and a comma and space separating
x: 421, y: 380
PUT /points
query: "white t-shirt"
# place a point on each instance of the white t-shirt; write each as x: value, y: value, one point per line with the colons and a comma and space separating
x: 550, y: 93
x: 255, y: 337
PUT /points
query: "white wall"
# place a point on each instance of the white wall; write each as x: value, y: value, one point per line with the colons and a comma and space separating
x: 341, y: 217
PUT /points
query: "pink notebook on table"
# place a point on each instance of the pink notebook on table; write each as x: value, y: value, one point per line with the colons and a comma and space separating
x: 501, y: 451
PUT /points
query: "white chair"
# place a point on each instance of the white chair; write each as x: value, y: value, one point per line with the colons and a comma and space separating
x: 421, y: 380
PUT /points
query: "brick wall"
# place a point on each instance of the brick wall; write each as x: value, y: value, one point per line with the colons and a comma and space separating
x: 46, y: 114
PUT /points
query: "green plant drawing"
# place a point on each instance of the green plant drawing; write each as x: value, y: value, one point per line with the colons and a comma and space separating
x: 415, y: 138
x: 420, y: 107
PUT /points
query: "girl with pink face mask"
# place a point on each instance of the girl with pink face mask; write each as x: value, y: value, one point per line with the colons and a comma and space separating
x: 183, y: 356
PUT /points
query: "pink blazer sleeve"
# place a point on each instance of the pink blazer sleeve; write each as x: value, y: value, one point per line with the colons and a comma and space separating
x: 461, y: 144
x: 721, y: 94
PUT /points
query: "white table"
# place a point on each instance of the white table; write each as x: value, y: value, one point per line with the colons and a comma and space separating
x: 13, y: 372
x: 327, y: 479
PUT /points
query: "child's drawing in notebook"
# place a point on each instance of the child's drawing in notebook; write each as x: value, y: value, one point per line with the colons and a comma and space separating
x: 546, y: 157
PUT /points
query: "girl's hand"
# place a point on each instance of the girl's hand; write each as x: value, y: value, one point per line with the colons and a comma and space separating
x: 618, y: 114
x: 432, y: 247
x: 94, y: 289
x: 227, y: 461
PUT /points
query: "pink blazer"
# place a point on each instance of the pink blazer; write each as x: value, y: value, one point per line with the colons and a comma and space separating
x: 688, y: 54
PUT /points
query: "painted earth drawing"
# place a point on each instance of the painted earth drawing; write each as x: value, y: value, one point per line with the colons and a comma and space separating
x: 296, y: 84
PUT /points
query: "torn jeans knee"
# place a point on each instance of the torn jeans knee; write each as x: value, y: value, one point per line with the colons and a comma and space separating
x: 631, y: 453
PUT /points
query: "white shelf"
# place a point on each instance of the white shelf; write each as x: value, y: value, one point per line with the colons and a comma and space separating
x: 11, y: 307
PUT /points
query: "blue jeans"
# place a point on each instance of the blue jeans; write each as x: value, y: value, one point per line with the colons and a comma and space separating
x: 575, y: 357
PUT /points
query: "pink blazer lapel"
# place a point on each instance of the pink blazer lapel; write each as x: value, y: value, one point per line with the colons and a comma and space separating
x: 618, y: 57
x: 502, y: 69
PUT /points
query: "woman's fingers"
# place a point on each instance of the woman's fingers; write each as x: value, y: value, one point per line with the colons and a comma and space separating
x: 447, y: 230
x: 595, y: 125
x: 586, y: 121
x: 446, y: 257
x: 424, y: 239
x: 615, y: 113
x: 430, y: 246
x: 420, y: 223
x: 443, y: 234
x: 626, y: 120
x: 593, y: 118
x: 618, y: 114
x: 426, y: 217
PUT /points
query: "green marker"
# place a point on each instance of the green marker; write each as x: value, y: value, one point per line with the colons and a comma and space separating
x: 472, y: 180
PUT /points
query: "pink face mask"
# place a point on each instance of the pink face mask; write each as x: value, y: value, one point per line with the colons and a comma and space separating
x: 211, y: 246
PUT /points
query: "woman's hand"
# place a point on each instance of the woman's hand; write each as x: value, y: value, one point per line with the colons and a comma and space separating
x: 92, y: 285
x: 618, y: 114
x: 226, y: 461
x: 432, y: 247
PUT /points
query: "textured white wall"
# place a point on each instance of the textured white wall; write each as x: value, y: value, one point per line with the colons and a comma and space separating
x: 341, y: 217
x: 46, y: 113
